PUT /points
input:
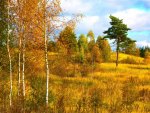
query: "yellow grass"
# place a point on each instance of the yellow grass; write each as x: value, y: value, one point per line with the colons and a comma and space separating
x: 113, y: 83
x: 123, y: 56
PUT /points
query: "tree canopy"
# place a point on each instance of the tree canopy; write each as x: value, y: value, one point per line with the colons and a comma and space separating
x: 117, y: 32
x: 67, y: 39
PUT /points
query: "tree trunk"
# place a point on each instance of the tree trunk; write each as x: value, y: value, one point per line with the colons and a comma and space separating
x: 10, y: 70
x: 46, y: 58
x: 23, y: 54
x: 117, y: 51
x: 47, y: 70
x: 19, y: 66
x: 92, y: 64
x: 9, y: 55
x: 23, y: 67
x: 19, y: 55
x: 23, y: 74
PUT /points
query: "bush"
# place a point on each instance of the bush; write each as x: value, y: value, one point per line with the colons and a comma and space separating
x: 144, y: 95
x: 85, y: 69
x: 95, y: 99
x: 129, y: 91
x: 147, y: 60
x: 130, y: 60
x: 62, y: 66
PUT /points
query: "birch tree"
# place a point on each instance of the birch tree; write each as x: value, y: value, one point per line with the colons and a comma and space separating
x: 19, y: 44
x: 21, y: 31
x: 37, y: 21
x: 51, y: 13
x: 8, y: 49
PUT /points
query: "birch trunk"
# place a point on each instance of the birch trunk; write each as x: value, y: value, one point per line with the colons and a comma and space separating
x: 19, y: 66
x: 23, y: 66
x: 19, y: 54
x: 23, y: 54
x: 9, y: 55
x: 46, y: 55
x: 47, y: 70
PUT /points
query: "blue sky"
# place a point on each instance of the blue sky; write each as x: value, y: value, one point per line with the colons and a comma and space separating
x: 135, y: 13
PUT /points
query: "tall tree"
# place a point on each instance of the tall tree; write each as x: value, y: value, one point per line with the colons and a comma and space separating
x: 91, y: 42
x: 4, y: 55
x: 147, y: 54
x: 52, y: 46
x: 46, y: 51
x: 117, y: 32
x: 8, y: 48
x: 5, y: 30
x: 96, y: 54
x: 83, y: 42
x: 104, y: 47
x: 91, y: 35
x: 51, y: 10
x: 83, y: 47
x: 132, y: 49
x: 143, y: 51
x: 20, y: 33
x: 129, y: 47
x: 23, y: 45
x: 67, y: 40
x: 26, y: 26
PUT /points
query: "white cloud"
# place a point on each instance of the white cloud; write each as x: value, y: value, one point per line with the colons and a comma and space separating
x: 136, y: 19
x: 143, y: 43
x: 75, y: 6
x: 89, y: 23
x: 95, y: 12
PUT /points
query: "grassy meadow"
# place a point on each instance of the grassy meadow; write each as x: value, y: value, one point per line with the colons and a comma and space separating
x: 105, y: 89
x: 109, y: 90
x: 74, y: 56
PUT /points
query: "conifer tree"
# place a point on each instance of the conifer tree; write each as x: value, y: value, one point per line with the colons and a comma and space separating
x: 117, y: 32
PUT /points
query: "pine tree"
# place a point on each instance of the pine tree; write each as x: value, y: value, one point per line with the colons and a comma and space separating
x: 118, y: 32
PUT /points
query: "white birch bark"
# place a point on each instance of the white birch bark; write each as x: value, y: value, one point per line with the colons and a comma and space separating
x: 19, y: 55
x: 19, y: 67
x: 47, y: 70
x: 23, y: 66
x: 9, y: 55
x: 23, y: 55
x: 46, y: 55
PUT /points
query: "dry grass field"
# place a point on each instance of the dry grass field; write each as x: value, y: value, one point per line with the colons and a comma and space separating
x: 109, y: 90
x: 106, y: 89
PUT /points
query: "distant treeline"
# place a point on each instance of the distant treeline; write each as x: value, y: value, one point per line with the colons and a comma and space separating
x: 144, y: 51
x: 69, y: 42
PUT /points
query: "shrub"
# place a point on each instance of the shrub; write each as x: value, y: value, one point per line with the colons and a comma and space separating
x: 85, y: 69
x: 144, y: 95
x: 129, y: 91
x: 95, y: 99
x: 130, y: 60
x: 147, y: 60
